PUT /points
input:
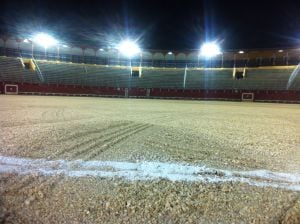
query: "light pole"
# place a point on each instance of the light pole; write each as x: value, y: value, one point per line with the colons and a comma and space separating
x: 45, y: 40
x: 129, y: 49
x: 210, y: 50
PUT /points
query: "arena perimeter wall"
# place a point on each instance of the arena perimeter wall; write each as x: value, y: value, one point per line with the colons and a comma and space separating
x: 283, y: 96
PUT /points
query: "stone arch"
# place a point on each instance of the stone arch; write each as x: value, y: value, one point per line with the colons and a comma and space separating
x: 147, y: 55
x: 181, y: 57
x: 89, y: 52
x: 169, y: 57
x: 193, y: 56
x: 158, y: 56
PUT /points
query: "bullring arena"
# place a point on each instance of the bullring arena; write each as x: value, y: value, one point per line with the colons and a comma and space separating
x: 90, y: 137
x: 95, y: 160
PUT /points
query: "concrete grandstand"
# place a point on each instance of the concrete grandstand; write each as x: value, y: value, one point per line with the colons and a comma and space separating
x: 263, y: 74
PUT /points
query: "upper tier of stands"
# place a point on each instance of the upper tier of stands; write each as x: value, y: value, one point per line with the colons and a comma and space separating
x: 264, y: 78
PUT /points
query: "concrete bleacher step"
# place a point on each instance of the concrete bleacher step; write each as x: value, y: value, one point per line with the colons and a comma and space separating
x: 12, y: 70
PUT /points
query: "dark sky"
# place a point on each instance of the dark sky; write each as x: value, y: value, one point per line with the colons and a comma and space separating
x: 169, y: 25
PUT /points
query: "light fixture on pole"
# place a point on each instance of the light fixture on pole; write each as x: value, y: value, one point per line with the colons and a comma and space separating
x: 129, y: 49
x: 44, y: 40
x: 210, y: 49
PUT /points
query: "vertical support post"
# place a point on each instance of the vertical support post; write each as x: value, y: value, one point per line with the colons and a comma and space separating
x: 148, y: 93
x: 152, y: 59
x: 58, y: 53
x: 130, y: 67
x: 95, y: 54
x: 32, y: 49
x: 83, y: 54
x: 107, y: 57
x: 5, y: 51
x: 184, y: 77
x: 19, y: 49
x: 234, y: 59
x: 222, y: 63
x: 141, y: 65
x: 234, y: 72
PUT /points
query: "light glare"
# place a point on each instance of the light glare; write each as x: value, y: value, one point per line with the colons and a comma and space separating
x: 210, y: 49
x: 44, y: 40
x: 129, y: 48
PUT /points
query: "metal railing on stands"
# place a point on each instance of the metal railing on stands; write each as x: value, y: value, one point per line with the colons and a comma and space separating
x: 213, y: 63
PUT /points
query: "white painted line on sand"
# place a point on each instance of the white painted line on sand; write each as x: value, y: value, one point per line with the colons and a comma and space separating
x: 148, y: 171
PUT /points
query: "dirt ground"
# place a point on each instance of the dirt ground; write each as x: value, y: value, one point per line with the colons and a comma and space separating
x: 222, y: 135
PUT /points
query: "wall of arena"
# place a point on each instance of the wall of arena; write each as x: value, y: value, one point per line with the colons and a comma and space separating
x: 280, y: 96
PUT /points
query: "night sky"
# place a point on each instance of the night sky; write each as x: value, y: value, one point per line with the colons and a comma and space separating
x: 168, y: 25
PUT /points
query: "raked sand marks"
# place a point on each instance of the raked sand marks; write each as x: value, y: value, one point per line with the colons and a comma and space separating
x: 144, y: 171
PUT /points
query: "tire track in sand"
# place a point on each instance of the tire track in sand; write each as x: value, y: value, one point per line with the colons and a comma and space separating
x: 113, y: 141
x: 106, y: 140
x: 89, y: 131
x: 93, y: 137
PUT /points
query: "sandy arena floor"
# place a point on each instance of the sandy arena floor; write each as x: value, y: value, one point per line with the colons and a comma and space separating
x: 100, y: 160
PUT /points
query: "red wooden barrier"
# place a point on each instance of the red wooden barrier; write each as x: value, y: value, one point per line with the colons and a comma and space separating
x: 259, y: 95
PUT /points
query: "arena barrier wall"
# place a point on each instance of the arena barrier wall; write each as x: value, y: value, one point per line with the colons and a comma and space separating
x: 231, y: 95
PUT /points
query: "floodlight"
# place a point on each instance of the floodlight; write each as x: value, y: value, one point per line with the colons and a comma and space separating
x: 44, y: 40
x: 210, y: 49
x: 129, y: 48
x: 101, y: 49
x: 280, y: 51
x: 241, y: 52
x: 170, y: 53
